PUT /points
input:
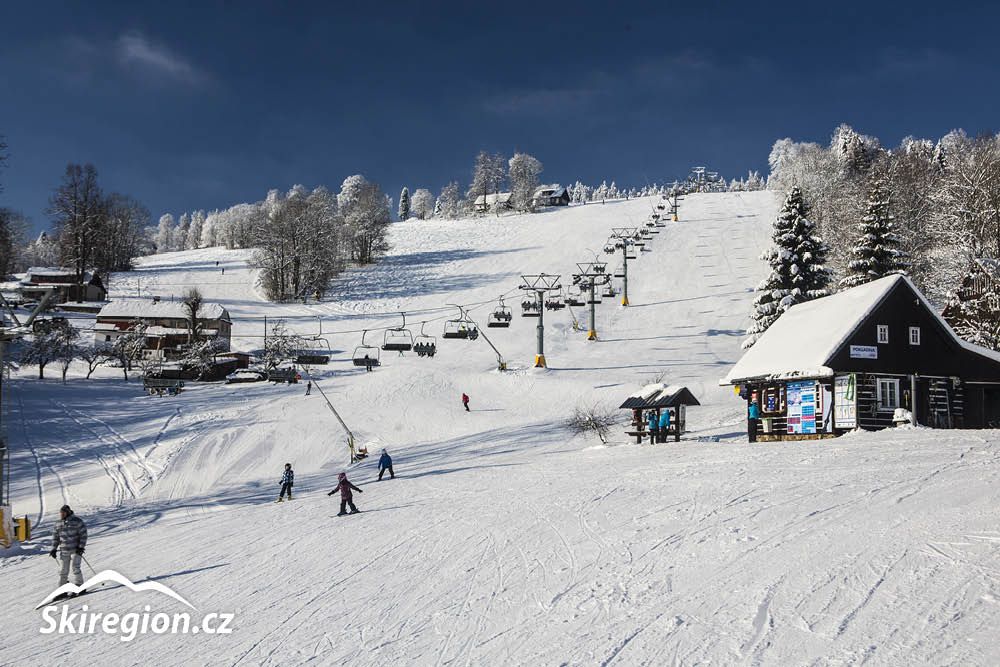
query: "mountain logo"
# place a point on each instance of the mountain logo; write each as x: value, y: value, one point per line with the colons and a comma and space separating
x: 115, y: 577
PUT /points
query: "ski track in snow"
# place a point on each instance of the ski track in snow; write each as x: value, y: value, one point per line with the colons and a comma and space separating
x: 504, y: 539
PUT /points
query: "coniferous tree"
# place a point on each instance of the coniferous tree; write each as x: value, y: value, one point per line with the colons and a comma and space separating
x: 404, y: 204
x: 876, y: 252
x: 798, y: 267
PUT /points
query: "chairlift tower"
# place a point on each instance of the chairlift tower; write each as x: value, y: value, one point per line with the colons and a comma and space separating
x: 621, y: 235
x: 590, y: 276
x: 675, y: 200
x: 540, y: 284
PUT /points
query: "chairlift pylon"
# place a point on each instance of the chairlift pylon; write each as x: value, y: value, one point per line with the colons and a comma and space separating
x: 366, y: 356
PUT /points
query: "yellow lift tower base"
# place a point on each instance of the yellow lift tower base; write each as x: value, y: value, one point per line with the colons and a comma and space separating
x: 591, y: 335
x: 540, y: 361
x: 624, y: 300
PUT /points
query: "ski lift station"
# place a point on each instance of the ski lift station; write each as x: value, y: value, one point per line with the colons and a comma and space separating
x: 866, y: 358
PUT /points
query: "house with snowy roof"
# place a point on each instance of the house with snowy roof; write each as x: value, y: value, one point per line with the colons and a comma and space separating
x: 498, y: 201
x: 850, y: 360
x: 550, y: 195
x: 63, y: 283
x: 167, y: 325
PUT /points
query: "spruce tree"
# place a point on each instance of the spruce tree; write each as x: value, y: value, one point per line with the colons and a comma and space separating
x: 404, y: 204
x: 876, y: 252
x: 798, y: 267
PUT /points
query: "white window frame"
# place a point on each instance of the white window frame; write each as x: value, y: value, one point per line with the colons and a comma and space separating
x: 882, y: 406
x: 915, y: 340
x: 882, y: 334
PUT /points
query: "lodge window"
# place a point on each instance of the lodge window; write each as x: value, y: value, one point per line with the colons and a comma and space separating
x: 888, y: 394
x: 107, y: 338
x: 883, y: 334
x: 914, y: 335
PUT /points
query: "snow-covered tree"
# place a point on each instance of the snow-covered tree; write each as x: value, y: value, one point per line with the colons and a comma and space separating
x: 450, y: 201
x: 194, y: 233
x: 180, y: 235
x: 876, y: 251
x: 209, y: 231
x: 798, y: 270
x: 165, y: 233
x: 423, y: 203
x: 488, y: 176
x: 437, y: 208
x: 404, y: 204
x: 975, y: 318
x: 524, y: 171
x: 367, y: 217
x: 127, y: 348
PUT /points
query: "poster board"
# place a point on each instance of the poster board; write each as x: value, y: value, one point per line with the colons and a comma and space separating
x: 801, y: 397
x: 845, y: 401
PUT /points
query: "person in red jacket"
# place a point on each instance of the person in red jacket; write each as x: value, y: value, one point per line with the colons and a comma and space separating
x: 346, y: 497
x: 465, y: 401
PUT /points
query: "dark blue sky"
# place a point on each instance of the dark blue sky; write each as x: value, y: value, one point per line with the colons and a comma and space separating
x: 204, y: 105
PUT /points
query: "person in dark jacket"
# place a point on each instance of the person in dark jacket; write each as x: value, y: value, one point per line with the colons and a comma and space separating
x: 465, y: 401
x: 346, y: 497
x: 652, y: 424
x: 385, y: 463
x: 309, y: 387
x: 287, y: 480
x: 69, y: 541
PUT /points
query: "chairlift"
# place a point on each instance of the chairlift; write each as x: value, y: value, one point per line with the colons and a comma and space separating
x: 398, y: 339
x: 500, y: 318
x: 424, y: 345
x: 462, y: 327
x: 555, y: 302
x: 609, y: 249
x: 530, y: 308
x: 619, y: 271
x: 575, y: 299
x: 366, y: 356
x: 609, y: 291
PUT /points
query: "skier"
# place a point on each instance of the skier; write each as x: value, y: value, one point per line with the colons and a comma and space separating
x: 653, y: 430
x: 69, y: 540
x: 287, y: 480
x: 223, y: 270
x: 309, y: 387
x: 664, y: 424
x: 346, y: 497
x: 465, y: 402
x: 385, y: 463
x: 368, y: 364
x: 753, y: 415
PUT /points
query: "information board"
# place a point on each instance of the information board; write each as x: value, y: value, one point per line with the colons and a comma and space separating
x: 801, y: 397
x: 845, y: 402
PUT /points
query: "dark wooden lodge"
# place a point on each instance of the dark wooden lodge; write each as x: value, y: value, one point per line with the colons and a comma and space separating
x: 851, y: 360
x: 656, y: 398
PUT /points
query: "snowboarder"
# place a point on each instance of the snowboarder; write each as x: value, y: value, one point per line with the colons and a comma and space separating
x: 465, y: 402
x: 385, y: 463
x: 346, y: 497
x: 753, y: 415
x: 309, y: 387
x: 653, y: 429
x: 69, y: 541
x: 664, y: 424
x: 287, y: 480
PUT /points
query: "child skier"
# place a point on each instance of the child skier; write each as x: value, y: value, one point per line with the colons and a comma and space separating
x: 346, y: 497
x: 664, y: 424
x: 385, y: 463
x: 309, y: 387
x: 465, y: 401
x: 287, y: 479
x: 653, y: 429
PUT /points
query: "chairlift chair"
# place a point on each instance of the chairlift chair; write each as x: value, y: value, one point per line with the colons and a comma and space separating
x: 366, y: 356
x: 398, y: 339
x: 424, y: 345
x: 529, y: 308
x: 609, y: 291
x: 619, y: 271
x: 609, y: 249
x: 500, y: 318
x: 462, y: 327
x: 554, y: 303
x: 575, y: 299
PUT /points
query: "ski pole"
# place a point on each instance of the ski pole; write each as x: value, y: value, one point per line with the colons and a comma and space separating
x: 88, y: 564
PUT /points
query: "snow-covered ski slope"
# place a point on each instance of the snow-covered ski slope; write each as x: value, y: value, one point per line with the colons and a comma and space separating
x: 503, y: 539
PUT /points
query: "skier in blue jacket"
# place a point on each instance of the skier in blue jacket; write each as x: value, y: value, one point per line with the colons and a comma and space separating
x: 652, y: 425
x: 664, y: 424
x: 287, y: 480
x: 385, y: 463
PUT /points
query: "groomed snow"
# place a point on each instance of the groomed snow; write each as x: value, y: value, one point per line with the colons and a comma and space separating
x: 504, y: 539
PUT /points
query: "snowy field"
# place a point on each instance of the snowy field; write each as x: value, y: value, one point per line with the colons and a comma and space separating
x: 504, y: 539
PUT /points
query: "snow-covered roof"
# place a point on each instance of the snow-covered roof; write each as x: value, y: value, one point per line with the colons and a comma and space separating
x: 802, y: 341
x: 660, y: 395
x: 497, y: 197
x: 149, y: 309
x: 50, y: 271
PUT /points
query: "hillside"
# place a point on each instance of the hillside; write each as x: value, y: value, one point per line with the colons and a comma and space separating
x: 504, y: 539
